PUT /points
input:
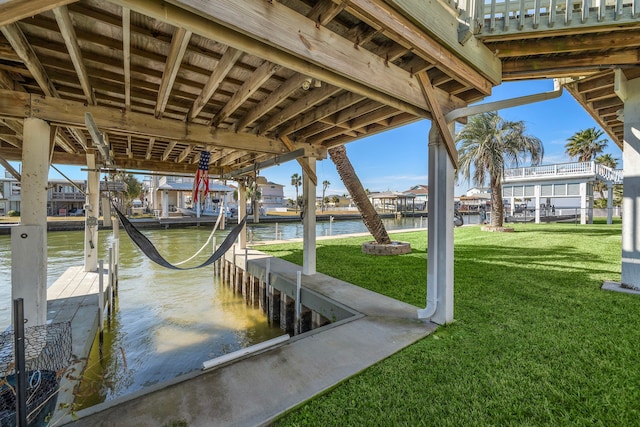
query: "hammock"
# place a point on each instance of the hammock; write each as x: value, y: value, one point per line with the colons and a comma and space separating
x: 152, y: 253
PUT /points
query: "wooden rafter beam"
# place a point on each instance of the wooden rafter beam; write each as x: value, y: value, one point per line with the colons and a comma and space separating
x: 18, y: 105
x: 228, y: 59
x: 168, y: 150
x: 576, y: 64
x: 70, y: 40
x: 276, y: 97
x: 438, y: 117
x: 10, y: 169
x: 14, y: 10
x: 324, y: 11
x: 184, y: 154
x: 179, y: 43
x: 441, y: 23
x: 248, y: 88
x: 149, y: 148
x: 126, y: 51
x: 18, y: 41
x: 315, y: 96
x: 356, y: 126
x: 341, y: 102
x: 556, y: 45
x: 315, y: 52
x: 304, y: 163
x: 339, y: 118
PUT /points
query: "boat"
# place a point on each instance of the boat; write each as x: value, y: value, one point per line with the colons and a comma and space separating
x: 42, y: 396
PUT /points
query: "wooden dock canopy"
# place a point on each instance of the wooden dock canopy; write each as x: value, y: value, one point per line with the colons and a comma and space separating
x: 251, y: 80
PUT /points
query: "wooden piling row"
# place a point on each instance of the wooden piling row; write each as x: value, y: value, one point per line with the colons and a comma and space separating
x: 279, y: 307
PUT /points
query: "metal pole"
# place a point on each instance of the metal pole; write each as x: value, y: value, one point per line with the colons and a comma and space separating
x: 101, y: 298
x: 298, y: 305
x: 276, y: 231
x: 21, y: 374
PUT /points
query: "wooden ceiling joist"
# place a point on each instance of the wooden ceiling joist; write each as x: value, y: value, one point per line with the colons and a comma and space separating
x: 69, y: 35
x: 178, y: 47
x: 14, y: 10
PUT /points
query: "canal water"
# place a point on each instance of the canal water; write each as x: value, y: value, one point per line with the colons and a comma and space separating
x: 166, y: 322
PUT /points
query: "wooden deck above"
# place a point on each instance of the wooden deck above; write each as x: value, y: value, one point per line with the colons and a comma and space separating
x: 252, y: 81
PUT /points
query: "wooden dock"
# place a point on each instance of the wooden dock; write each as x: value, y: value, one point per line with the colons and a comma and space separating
x: 73, y: 297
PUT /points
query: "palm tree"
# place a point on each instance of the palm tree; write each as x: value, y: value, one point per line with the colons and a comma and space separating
x: 296, y: 181
x: 325, y: 185
x: 585, y: 145
x: 370, y: 217
x: 486, y: 146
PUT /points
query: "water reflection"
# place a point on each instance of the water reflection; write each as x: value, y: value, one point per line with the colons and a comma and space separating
x: 167, y: 322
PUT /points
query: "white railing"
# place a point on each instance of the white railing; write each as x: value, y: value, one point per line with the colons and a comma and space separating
x: 492, y: 17
x: 565, y: 169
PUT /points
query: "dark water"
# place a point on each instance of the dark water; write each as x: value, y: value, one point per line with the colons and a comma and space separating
x: 167, y: 322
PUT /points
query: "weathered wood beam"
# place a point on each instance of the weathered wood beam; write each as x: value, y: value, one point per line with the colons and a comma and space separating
x: 264, y: 29
x: 10, y: 169
x: 356, y: 126
x: 178, y: 47
x: 324, y: 11
x: 149, y: 148
x: 64, y: 142
x: 18, y: 41
x: 480, y: 68
x: 14, y: 10
x: 276, y: 97
x: 438, y: 117
x: 398, y: 120
x: 16, y: 105
x: 315, y: 96
x: 548, y: 66
x: 303, y: 162
x: 339, y: 103
x: 8, y: 54
x: 577, y: 43
x: 126, y: 53
x: 351, y: 113
x: 226, y: 63
x: 16, y: 141
x: 168, y: 150
x: 184, y: 154
x: 70, y: 40
x: 248, y: 88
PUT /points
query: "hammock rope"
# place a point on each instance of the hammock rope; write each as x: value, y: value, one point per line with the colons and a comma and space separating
x: 145, y: 245
x: 215, y: 227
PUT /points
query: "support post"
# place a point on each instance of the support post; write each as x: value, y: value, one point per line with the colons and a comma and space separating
x: 165, y: 204
x: 609, y: 203
x: 536, y: 199
x: 242, y: 212
x: 106, y: 212
x: 91, y: 214
x: 29, y: 239
x: 631, y: 181
x: 583, y: 203
x: 440, y: 237
x: 309, y: 220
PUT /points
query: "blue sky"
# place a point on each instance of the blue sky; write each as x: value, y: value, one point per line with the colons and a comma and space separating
x: 397, y: 159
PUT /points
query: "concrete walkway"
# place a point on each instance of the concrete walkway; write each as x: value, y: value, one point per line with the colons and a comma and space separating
x: 259, y: 388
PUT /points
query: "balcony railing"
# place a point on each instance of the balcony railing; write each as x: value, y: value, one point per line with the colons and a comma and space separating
x: 565, y: 170
x: 497, y: 17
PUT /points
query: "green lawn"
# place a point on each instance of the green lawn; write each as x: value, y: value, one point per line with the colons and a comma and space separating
x: 535, y: 341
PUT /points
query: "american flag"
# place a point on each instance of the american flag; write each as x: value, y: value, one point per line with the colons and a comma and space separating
x: 202, y: 176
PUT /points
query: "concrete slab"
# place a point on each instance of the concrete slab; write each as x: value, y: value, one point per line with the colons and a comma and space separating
x: 260, y: 387
x: 617, y: 287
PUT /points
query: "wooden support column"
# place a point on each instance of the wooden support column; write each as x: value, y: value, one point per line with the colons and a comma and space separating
x: 106, y: 212
x: 309, y: 219
x: 29, y: 239
x: 165, y: 204
x: 629, y: 92
x: 242, y: 212
x: 91, y: 214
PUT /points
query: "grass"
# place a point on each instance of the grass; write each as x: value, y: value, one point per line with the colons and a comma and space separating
x: 535, y: 341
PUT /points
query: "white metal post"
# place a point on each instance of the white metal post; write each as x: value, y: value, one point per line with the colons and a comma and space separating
x: 242, y: 212
x: 29, y: 239
x: 309, y: 221
x: 630, y: 94
x: 440, y: 233
x: 91, y: 214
